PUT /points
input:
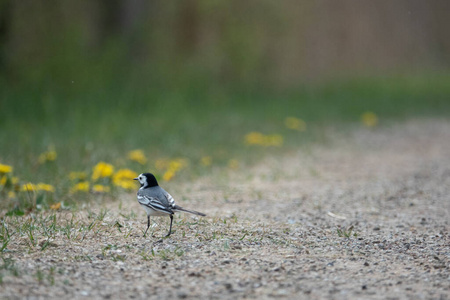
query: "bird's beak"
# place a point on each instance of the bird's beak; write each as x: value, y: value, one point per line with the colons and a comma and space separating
x: 135, y: 178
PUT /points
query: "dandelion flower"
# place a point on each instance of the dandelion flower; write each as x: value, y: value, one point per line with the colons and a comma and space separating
x: 45, y: 187
x: 175, y: 166
x: 127, y: 185
x: 257, y: 138
x: 9, y: 182
x: 4, y: 169
x: 77, y: 176
x: 168, y: 175
x: 273, y: 140
x: 49, y: 155
x: 102, y: 170
x: 98, y: 188
x: 55, y: 206
x: 15, y: 183
x: 124, y: 179
x: 206, y: 161
x: 369, y: 119
x: 178, y: 164
x: 11, y: 195
x: 171, y: 167
x: 295, y: 124
x: 80, y: 187
x: 28, y: 187
x: 254, y: 138
x: 233, y: 164
x: 137, y: 156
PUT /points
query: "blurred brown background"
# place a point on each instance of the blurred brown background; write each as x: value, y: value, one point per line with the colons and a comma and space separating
x: 274, y: 42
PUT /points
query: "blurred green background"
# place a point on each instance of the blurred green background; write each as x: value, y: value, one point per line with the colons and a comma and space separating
x: 94, y: 79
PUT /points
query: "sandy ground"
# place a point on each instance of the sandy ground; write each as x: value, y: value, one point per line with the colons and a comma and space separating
x: 366, y: 216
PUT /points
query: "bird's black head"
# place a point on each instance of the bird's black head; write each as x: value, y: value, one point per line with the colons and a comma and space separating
x: 147, y: 180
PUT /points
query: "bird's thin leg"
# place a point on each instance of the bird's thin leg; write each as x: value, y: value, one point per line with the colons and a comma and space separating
x: 170, y: 229
x: 148, y: 224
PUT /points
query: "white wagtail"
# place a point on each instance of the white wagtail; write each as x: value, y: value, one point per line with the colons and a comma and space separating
x: 156, y: 201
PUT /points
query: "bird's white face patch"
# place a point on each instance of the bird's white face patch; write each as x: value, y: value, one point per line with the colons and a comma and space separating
x: 142, y: 180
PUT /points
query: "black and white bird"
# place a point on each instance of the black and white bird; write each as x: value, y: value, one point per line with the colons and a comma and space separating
x: 156, y: 201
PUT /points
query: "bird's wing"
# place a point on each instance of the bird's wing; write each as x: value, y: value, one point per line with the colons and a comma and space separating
x: 170, y: 199
x: 154, y: 203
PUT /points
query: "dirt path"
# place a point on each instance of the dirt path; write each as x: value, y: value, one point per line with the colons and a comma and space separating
x: 365, y: 217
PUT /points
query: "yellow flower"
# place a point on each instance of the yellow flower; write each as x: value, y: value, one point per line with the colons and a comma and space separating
x: 178, y: 164
x: 171, y: 167
x: 15, y: 183
x: 369, y: 119
x: 102, y: 170
x: 168, y: 175
x: 55, y: 206
x: 274, y: 140
x: 49, y: 155
x: 127, y: 185
x: 137, y: 156
x: 206, y: 161
x: 98, y: 188
x: 124, y: 174
x: 28, y: 187
x: 10, y: 182
x: 295, y: 123
x: 80, y: 187
x: 124, y: 179
x: 5, y: 169
x: 233, y: 163
x: 254, y: 138
x: 175, y: 165
x: 75, y: 176
x: 45, y: 187
x: 11, y: 195
x: 257, y: 138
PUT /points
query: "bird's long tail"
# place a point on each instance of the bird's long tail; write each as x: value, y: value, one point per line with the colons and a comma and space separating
x: 179, y: 208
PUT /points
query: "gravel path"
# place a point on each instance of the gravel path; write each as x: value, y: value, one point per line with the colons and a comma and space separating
x: 364, y: 217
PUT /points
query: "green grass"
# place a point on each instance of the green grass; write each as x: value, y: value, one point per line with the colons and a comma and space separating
x: 346, y: 232
x: 87, y: 126
x: 46, y: 235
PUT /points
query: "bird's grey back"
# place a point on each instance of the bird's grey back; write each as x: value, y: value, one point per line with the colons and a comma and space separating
x: 155, y: 192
